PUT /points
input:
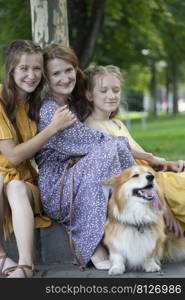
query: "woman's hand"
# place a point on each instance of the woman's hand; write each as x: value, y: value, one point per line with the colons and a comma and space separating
x: 172, y: 223
x: 62, y: 119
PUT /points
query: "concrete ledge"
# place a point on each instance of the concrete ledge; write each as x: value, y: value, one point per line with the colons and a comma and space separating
x: 55, y: 245
x: 50, y: 246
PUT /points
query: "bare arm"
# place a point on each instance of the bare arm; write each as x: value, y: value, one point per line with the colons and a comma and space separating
x: 160, y: 164
x: 153, y: 160
x: 62, y: 119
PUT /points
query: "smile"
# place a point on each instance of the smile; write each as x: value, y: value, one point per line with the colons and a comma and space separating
x: 29, y: 83
x: 146, y: 192
x: 113, y: 102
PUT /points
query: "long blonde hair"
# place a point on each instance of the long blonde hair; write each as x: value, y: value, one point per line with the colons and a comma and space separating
x: 90, y: 74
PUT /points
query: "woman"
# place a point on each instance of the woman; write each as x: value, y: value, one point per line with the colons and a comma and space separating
x: 19, y: 195
x: 71, y: 190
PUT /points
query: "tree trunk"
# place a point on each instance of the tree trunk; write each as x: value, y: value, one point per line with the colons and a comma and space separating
x: 168, y: 81
x: 49, y: 21
x: 92, y: 32
x: 174, y: 70
x: 153, y: 90
x: 85, y: 19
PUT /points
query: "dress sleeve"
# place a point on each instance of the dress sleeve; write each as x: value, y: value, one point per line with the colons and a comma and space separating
x: 5, y: 125
x: 76, y: 140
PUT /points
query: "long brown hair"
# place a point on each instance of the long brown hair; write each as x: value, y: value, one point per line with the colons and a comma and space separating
x: 95, y: 71
x: 9, y: 92
x: 61, y: 51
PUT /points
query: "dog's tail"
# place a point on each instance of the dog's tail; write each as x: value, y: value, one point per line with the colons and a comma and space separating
x: 174, y: 249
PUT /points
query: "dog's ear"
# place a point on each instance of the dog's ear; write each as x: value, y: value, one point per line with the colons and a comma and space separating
x: 110, y: 181
x: 119, y: 178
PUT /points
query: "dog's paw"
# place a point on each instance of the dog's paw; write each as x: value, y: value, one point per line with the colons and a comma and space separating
x: 152, y: 267
x: 102, y: 265
x: 117, y: 270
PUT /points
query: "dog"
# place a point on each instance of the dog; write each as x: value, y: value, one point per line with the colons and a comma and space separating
x: 135, y: 234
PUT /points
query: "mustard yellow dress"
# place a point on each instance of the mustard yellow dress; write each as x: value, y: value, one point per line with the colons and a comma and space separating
x: 172, y: 184
x: 27, y: 129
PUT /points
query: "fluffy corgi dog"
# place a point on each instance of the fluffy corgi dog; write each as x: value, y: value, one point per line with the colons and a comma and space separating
x: 135, y: 229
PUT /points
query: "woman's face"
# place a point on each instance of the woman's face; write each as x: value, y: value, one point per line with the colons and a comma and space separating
x: 106, y: 93
x: 28, y: 73
x: 61, y: 77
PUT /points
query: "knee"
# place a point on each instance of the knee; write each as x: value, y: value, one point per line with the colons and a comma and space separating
x: 16, y: 187
x: 1, y: 181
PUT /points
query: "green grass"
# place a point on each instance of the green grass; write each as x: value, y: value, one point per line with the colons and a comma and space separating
x: 164, y: 136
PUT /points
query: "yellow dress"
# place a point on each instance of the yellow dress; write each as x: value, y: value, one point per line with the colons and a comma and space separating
x: 27, y: 129
x: 172, y: 184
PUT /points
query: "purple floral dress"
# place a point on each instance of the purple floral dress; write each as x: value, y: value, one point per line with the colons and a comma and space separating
x: 101, y: 157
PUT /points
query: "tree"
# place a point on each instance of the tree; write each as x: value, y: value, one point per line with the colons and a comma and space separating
x: 85, y: 20
x: 15, y: 23
x: 49, y: 21
x: 170, y: 25
x: 108, y: 32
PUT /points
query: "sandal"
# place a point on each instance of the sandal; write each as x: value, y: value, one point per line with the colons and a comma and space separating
x: 7, y: 270
x: 23, y: 267
x: 3, y: 257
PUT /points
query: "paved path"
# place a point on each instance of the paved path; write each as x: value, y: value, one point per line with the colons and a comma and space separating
x: 68, y: 270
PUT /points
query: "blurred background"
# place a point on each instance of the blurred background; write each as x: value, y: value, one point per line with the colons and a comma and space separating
x: 145, y: 38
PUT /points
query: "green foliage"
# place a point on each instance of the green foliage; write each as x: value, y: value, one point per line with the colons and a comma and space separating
x: 131, y: 26
x: 15, y: 23
x: 137, y: 78
x: 127, y: 29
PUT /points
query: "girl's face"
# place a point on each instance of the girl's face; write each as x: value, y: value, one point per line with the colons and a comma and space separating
x: 61, y: 77
x: 106, y: 93
x: 28, y: 73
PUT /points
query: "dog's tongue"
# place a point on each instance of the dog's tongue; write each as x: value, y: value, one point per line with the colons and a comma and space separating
x: 151, y: 195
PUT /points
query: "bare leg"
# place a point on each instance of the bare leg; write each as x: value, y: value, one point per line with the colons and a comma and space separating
x: 1, y: 215
x: 8, y: 262
x: 20, y: 198
x: 100, y: 258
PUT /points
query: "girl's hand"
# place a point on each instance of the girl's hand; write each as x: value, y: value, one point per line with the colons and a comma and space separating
x: 62, y: 119
x: 174, y: 166
x: 157, y: 163
x: 172, y: 223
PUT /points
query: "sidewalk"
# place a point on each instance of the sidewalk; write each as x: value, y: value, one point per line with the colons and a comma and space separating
x: 68, y: 270
x: 53, y: 258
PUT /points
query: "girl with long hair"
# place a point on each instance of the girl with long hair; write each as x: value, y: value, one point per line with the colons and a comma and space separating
x: 20, y: 100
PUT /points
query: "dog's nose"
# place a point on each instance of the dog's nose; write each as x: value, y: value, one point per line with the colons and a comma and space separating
x: 150, y: 177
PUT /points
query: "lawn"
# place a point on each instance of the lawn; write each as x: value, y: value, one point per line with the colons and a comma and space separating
x: 164, y: 136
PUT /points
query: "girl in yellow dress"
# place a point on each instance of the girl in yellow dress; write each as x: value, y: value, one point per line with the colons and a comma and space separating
x: 103, y: 91
x: 19, y: 141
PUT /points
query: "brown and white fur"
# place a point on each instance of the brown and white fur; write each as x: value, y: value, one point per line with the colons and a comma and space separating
x: 135, y: 230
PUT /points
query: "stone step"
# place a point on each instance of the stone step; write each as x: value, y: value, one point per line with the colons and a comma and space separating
x: 51, y: 245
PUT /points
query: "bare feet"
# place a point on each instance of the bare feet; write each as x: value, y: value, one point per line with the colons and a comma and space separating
x: 100, y: 258
x: 6, y: 263
x: 22, y: 271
